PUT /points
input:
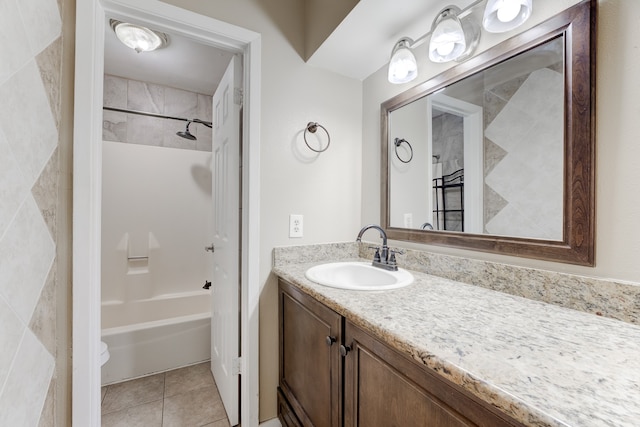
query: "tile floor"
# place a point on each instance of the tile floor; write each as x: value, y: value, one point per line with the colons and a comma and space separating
x: 185, y: 397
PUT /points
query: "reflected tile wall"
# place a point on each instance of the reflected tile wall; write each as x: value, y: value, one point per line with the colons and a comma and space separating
x: 30, y: 86
x: 523, y: 156
x: 152, y: 98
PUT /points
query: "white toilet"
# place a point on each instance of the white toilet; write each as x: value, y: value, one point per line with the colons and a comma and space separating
x: 104, y: 353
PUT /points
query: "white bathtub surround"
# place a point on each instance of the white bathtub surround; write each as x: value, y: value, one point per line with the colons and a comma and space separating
x: 539, y: 363
x: 156, y: 219
x: 150, y: 347
x: 155, y: 335
x: 104, y: 353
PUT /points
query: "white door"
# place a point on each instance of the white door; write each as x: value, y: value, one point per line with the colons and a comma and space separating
x: 225, y: 296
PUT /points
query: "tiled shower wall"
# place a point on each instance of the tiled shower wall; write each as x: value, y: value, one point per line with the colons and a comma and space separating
x: 157, y: 99
x: 30, y: 87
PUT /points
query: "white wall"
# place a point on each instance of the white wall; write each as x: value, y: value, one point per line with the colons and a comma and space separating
x: 409, y: 183
x: 156, y: 202
x: 617, y: 112
x: 325, y: 188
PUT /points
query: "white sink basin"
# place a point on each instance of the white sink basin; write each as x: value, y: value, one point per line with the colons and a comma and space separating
x: 358, y: 276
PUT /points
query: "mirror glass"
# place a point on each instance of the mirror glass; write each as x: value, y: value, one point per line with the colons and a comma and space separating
x: 497, y: 153
x: 484, y: 154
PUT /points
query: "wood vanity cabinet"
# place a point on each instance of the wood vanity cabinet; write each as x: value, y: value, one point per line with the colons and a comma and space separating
x: 359, y: 381
x: 310, y: 392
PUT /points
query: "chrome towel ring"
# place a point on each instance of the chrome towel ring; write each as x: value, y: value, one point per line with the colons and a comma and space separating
x: 397, y: 143
x: 313, y: 127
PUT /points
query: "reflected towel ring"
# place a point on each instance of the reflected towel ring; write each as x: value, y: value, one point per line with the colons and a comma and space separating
x: 313, y: 127
x: 397, y: 143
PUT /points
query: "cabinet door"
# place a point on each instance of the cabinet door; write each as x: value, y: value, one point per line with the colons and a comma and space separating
x: 310, y: 362
x: 384, y: 388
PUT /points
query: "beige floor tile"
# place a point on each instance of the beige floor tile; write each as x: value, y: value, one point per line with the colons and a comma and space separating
x: 188, y: 379
x: 103, y: 392
x: 145, y: 415
x: 133, y: 393
x: 220, y: 423
x: 193, y: 408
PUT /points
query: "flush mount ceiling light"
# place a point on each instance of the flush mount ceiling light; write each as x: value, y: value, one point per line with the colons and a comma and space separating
x: 402, y: 66
x: 505, y: 15
x: 138, y: 38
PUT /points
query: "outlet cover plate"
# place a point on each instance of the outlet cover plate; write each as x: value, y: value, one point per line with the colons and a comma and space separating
x: 295, y: 225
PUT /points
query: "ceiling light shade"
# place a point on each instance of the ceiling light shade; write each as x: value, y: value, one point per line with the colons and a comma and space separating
x: 505, y: 15
x: 448, y: 40
x: 402, y: 66
x: 138, y: 38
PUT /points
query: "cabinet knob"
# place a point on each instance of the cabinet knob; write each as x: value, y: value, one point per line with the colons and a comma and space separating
x: 344, y: 349
x: 330, y: 340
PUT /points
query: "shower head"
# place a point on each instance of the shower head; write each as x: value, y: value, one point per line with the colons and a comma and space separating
x: 186, y: 134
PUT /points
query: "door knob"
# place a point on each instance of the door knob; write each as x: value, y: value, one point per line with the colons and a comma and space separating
x: 330, y: 340
x: 209, y: 248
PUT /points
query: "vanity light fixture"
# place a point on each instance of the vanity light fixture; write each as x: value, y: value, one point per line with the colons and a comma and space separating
x: 454, y: 35
x: 505, y: 15
x: 452, y: 38
x: 138, y: 38
x: 402, y: 66
x: 447, y: 36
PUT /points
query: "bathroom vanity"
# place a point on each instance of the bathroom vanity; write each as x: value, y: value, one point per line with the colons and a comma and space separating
x: 380, y: 386
x: 444, y: 353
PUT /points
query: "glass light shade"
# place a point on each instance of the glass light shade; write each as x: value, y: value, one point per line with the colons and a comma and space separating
x: 448, y: 40
x: 140, y: 39
x: 402, y: 66
x: 505, y: 15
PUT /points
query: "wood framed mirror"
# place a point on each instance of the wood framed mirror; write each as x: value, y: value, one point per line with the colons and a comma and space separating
x: 497, y: 154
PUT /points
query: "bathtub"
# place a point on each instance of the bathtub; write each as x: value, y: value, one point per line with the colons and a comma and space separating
x: 155, y: 335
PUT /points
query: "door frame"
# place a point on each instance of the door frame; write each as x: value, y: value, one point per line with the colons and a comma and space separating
x: 472, y: 116
x: 87, y: 182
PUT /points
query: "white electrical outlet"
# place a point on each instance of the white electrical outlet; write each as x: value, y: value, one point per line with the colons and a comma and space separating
x: 408, y: 220
x: 295, y: 225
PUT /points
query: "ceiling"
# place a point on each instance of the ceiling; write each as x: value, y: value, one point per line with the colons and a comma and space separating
x: 359, y: 46
x: 183, y: 64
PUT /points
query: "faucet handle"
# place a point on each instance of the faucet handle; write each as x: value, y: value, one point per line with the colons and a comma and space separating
x: 392, y: 256
x: 376, y: 256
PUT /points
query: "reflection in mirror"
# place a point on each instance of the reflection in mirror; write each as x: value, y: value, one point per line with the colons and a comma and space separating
x: 503, y: 148
x: 488, y: 151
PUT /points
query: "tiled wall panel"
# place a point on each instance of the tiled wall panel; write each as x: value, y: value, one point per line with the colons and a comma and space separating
x: 152, y: 98
x: 30, y: 76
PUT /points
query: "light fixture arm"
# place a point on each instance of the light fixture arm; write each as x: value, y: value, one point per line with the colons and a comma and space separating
x: 420, y: 40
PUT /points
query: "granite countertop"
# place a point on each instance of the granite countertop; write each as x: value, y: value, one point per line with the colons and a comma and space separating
x: 542, y: 364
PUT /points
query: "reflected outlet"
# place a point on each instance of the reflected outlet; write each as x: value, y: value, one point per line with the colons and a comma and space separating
x: 408, y: 220
x: 295, y: 225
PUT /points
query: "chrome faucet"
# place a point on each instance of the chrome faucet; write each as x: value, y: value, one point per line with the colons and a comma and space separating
x: 381, y: 258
